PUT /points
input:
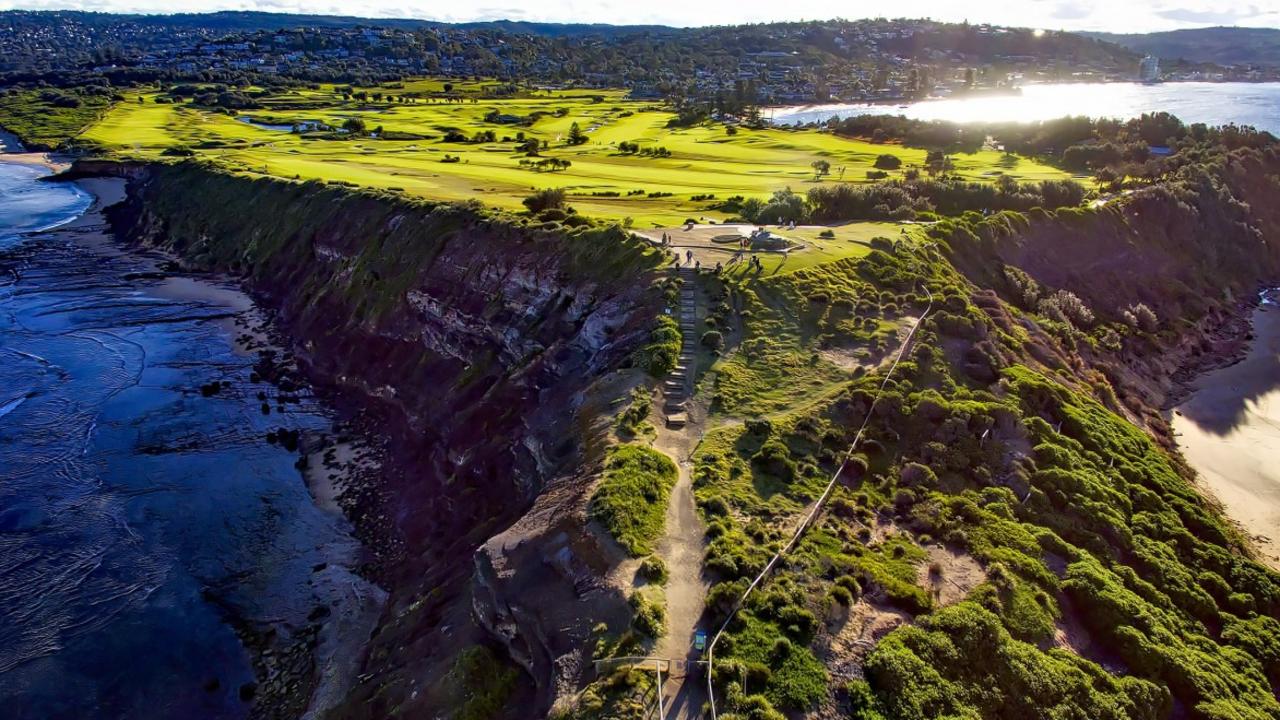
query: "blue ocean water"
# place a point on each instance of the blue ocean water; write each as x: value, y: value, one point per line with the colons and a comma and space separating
x: 27, y: 206
x: 142, y: 521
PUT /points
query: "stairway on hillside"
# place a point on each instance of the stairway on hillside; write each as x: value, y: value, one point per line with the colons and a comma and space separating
x: 679, y: 383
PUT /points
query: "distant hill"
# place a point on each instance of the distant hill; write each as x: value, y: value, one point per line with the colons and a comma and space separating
x: 1220, y: 45
x: 519, y: 27
x: 238, y: 21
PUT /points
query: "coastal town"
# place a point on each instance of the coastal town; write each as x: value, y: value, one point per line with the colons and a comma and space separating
x: 785, y: 63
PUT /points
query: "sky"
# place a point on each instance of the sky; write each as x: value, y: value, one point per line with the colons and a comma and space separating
x: 1106, y: 15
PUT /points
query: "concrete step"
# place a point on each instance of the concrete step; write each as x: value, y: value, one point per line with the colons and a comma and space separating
x: 677, y: 420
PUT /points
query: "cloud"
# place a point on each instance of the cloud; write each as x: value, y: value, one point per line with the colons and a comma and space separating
x: 1209, y: 16
x: 1071, y: 11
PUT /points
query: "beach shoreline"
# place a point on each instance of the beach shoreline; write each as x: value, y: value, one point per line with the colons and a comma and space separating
x: 309, y: 667
x: 1227, y: 428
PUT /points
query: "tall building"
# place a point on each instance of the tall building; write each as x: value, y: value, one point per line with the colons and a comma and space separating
x: 1149, y: 69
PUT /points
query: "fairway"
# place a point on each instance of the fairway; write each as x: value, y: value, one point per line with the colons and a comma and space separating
x: 411, y: 152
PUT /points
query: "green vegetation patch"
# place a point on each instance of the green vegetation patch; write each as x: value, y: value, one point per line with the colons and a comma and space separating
x: 988, y: 443
x: 961, y: 662
x: 624, y: 162
x: 631, y: 500
x: 47, y: 118
x: 486, y: 683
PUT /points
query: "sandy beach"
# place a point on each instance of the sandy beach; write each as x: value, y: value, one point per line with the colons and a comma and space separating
x: 1229, y: 431
x: 54, y: 162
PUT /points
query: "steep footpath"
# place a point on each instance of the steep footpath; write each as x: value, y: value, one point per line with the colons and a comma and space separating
x: 478, y: 343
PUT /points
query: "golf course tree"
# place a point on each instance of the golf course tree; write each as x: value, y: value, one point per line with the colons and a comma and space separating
x: 937, y: 162
x: 355, y: 126
x: 551, y: 164
x: 529, y: 147
x: 888, y: 162
x: 821, y: 168
x: 576, y: 136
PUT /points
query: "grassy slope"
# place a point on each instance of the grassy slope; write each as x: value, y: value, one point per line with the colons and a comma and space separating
x: 39, y: 123
x: 631, y: 500
x: 705, y: 160
x: 1097, y: 522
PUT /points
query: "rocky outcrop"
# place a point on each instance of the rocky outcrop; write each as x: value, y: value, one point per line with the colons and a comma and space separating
x: 476, y: 340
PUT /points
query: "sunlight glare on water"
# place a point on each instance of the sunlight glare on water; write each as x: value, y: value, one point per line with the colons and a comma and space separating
x: 1256, y: 104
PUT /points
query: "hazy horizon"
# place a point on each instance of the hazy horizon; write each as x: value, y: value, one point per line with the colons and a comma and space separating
x: 1078, y: 15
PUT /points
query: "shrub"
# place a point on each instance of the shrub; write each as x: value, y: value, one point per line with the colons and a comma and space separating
x: 662, y: 353
x: 1141, y: 317
x: 486, y: 682
x: 774, y: 459
x: 713, y: 340
x: 1065, y: 306
x: 888, y: 162
x: 654, y: 570
x: 545, y: 199
x: 650, y: 612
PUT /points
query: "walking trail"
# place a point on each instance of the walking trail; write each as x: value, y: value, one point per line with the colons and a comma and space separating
x: 684, y: 543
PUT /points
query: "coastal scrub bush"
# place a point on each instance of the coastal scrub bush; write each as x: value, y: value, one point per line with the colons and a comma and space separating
x: 654, y: 570
x: 1065, y: 306
x: 545, y: 199
x: 774, y: 459
x: 631, y: 499
x: 1141, y: 317
x: 662, y: 353
x: 916, y: 676
x: 713, y: 340
x: 485, y: 682
x: 631, y: 419
x: 648, y: 606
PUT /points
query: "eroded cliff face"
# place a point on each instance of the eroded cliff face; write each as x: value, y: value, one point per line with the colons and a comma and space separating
x: 484, y: 348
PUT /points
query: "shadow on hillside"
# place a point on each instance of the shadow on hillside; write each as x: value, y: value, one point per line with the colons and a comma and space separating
x: 1229, y: 397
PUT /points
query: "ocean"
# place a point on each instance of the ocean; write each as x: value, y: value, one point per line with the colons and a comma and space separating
x: 1256, y: 104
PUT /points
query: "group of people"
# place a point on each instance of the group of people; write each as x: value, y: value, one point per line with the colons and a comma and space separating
x: 744, y: 246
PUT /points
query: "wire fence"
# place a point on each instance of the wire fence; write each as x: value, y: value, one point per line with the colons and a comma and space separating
x: 816, y: 508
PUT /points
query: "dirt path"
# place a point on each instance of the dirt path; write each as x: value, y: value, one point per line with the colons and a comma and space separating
x: 682, y: 549
x: 680, y: 424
